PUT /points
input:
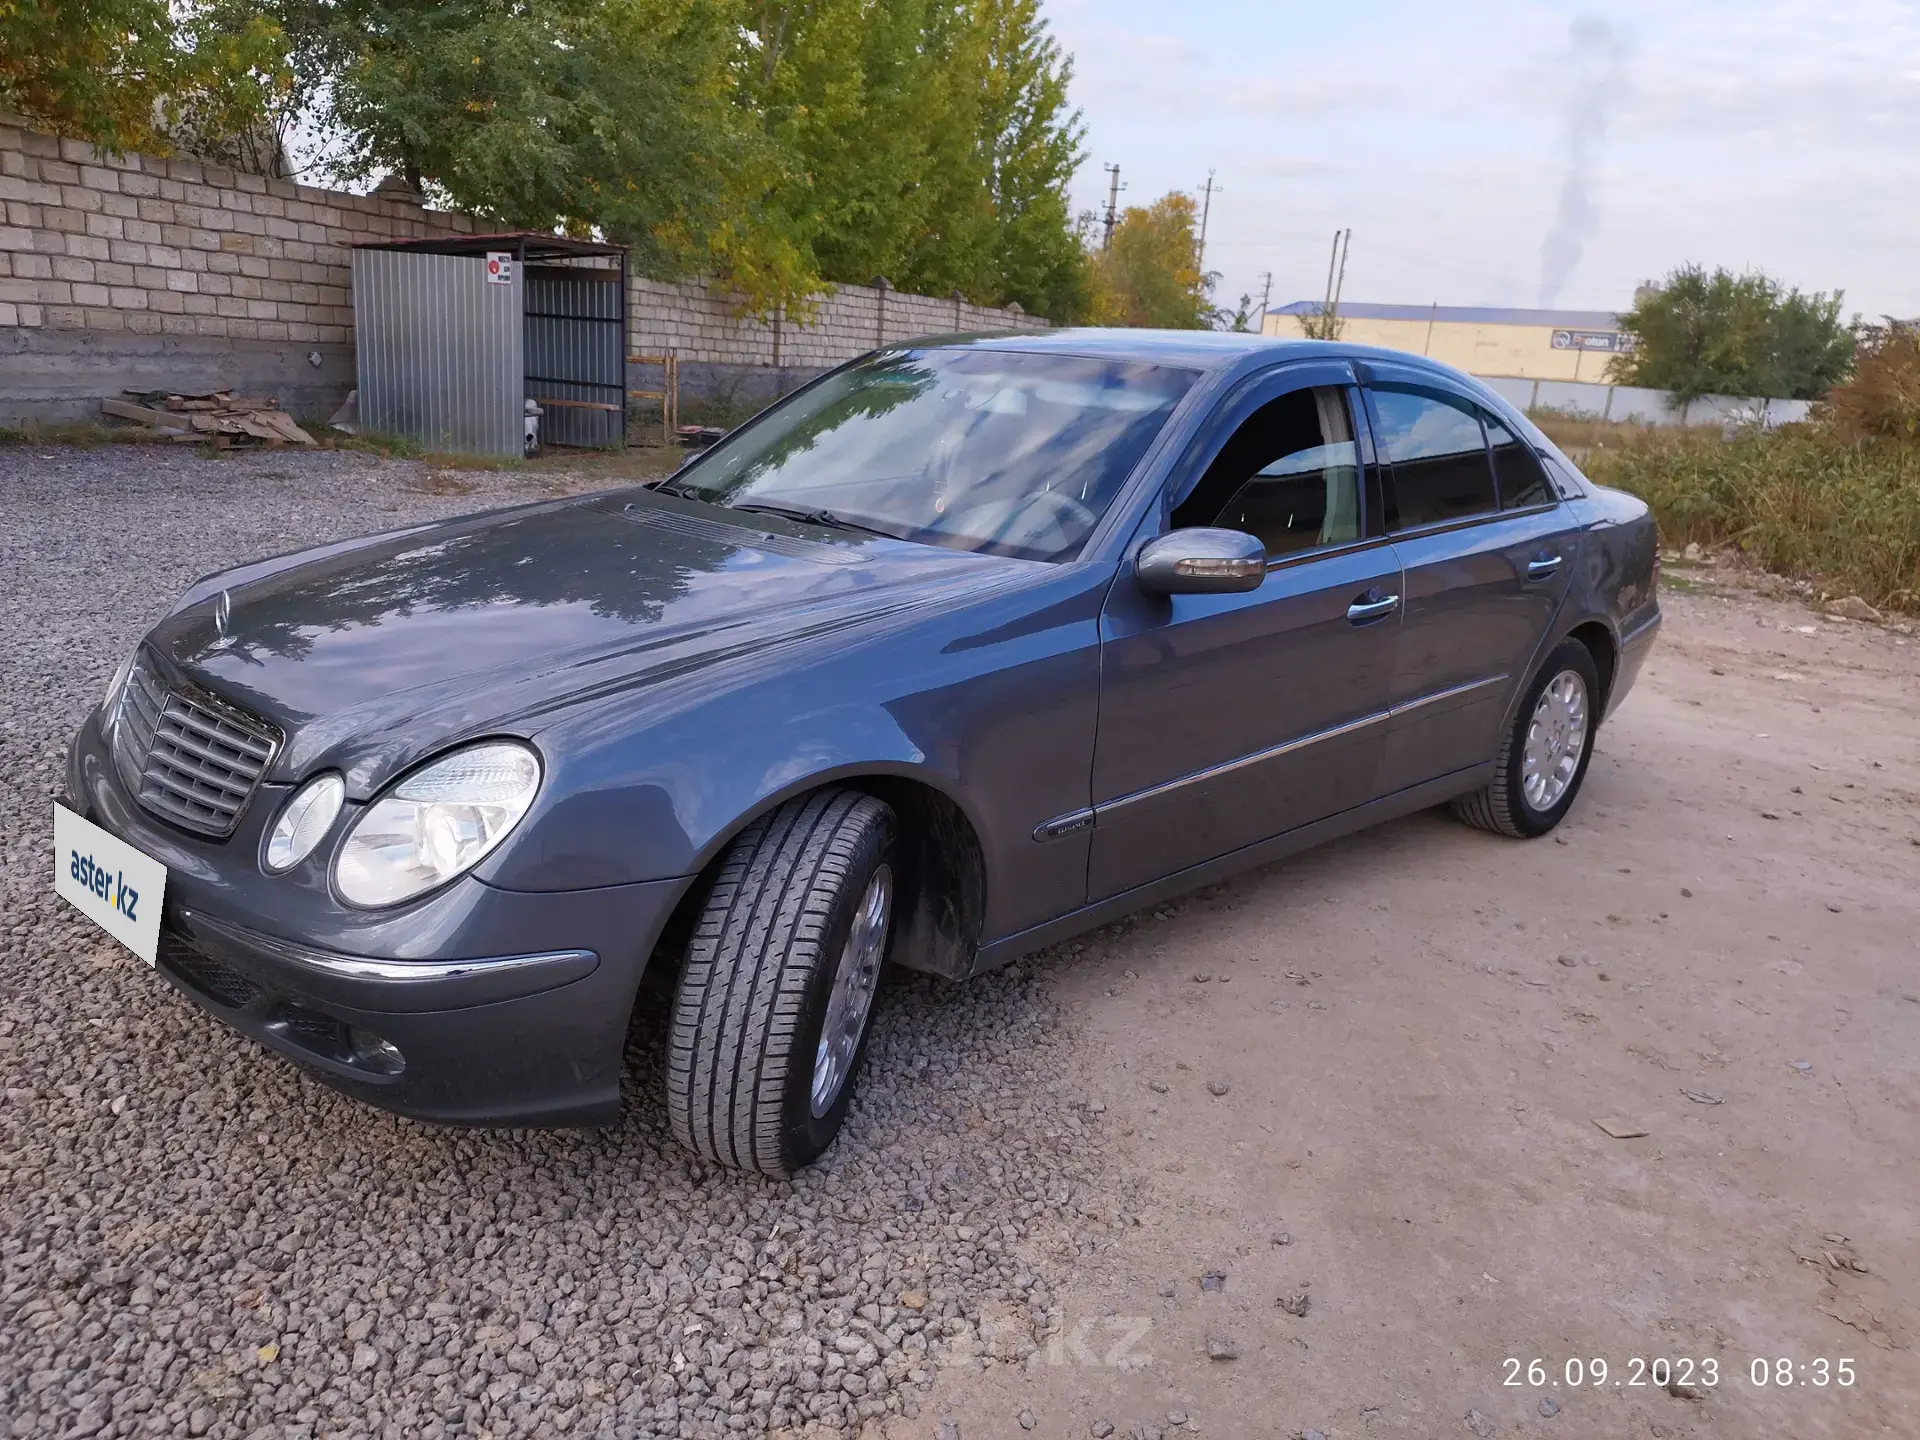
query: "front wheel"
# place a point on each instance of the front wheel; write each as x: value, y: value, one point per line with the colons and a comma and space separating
x: 1544, y: 755
x: 770, y: 1015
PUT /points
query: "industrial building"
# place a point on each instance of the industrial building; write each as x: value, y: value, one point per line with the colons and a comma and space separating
x: 1480, y: 339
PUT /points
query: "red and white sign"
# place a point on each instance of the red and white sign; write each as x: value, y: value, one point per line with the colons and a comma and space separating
x: 499, y: 267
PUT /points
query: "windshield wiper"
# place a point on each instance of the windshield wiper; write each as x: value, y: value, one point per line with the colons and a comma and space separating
x: 808, y: 516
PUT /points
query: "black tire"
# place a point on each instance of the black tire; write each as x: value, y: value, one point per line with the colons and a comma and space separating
x: 754, y: 993
x: 1502, y: 806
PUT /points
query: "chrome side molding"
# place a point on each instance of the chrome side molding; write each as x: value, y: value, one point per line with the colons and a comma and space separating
x: 1079, y: 819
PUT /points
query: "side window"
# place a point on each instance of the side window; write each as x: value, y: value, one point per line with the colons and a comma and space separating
x: 1440, y: 469
x: 1289, y: 475
x: 1563, y: 479
x: 1516, y: 469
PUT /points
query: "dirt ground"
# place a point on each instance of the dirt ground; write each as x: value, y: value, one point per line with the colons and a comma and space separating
x: 1417, y: 1030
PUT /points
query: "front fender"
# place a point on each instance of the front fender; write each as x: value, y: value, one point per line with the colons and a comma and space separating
x: 682, y: 789
x: 990, y: 705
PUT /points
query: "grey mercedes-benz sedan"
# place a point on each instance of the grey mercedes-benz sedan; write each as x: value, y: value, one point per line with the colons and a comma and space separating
x: 971, y: 644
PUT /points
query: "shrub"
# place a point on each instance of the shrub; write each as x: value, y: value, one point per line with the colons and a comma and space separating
x: 1882, y: 400
x: 1806, y: 500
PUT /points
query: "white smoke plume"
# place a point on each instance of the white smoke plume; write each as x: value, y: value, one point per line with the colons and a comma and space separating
x: 1595, y: 77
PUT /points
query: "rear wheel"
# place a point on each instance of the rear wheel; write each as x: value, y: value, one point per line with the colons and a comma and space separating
x: 771, y: 1013
x: 1544, y: 755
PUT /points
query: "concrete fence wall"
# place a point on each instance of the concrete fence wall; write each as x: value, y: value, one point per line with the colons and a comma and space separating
x: 123, y: 272
x: 736, y: 363
x: 1632, y: 405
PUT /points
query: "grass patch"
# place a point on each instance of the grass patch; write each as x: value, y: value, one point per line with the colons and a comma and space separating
x: 1805, y: 501
x: 610, y: 466
x: 84, y: 434
x: 1583, y: 435
x: 1679, y: 584
x: 370, y: 442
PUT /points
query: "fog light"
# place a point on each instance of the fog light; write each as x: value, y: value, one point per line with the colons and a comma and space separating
x: 304, y: 823
x: 382, y: 1057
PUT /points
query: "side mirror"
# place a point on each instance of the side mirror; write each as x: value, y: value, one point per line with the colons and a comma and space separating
x: 1201, y: 561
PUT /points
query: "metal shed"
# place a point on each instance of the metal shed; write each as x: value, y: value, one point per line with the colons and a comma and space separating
x: 454, y: 335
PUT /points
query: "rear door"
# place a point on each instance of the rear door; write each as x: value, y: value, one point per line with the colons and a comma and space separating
x: 1487, y: 549
x: 1226, y: 719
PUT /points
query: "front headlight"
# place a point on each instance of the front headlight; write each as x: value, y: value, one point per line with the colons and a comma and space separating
x: 437, y: 823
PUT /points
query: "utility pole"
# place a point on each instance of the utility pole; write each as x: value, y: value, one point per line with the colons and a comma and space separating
x: 1326, y: 325
x: 1266, y: 297
x: 1336, y: 271
x: 1206, y: 206
x: 1113, y: 204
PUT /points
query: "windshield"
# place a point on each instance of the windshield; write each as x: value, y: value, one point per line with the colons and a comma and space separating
x: 1016, y: 454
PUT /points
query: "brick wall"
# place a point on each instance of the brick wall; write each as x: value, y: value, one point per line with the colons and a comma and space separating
x: 172, y: 247
x: 701, y: 324
x: 131, y: 272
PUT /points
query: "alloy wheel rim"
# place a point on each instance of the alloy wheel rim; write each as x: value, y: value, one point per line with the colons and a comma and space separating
x: 1556, y: 739
x: 855, y: 980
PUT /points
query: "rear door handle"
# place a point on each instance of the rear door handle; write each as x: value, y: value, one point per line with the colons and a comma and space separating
x: 1542, y: 568
x: 1363, y: 609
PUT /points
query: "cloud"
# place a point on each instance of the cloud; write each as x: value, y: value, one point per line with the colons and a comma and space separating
x: 1767, y: 132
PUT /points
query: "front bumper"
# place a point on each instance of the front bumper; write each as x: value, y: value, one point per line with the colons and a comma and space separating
x: 475, y: 1006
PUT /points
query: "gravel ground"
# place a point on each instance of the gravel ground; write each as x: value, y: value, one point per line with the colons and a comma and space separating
x: 197, y: 1239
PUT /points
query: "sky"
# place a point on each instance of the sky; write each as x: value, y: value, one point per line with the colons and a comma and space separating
x: 1516, y: 152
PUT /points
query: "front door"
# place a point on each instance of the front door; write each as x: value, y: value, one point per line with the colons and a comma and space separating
x: 1226, y: 719
x: 1488, y: 551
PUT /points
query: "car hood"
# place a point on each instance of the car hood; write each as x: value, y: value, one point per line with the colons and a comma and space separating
x: 369, y: 656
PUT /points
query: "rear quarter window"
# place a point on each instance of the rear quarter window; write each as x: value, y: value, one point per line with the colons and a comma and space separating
x: 1517, y: 470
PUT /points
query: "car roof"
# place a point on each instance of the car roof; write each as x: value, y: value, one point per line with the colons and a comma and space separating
x: 1192, y: 349
x: 1206, y: 350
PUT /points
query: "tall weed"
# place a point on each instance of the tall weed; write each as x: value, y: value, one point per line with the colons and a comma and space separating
x: 1811, y: 501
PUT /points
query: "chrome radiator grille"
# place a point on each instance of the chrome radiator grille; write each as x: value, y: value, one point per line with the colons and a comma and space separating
x: 190, y: 759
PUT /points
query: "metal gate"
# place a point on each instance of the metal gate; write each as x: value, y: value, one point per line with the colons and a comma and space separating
x: 576, y: 353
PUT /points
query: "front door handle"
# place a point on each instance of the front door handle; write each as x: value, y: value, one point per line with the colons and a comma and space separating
x: 1365, y: 608
x: 1540, y: 569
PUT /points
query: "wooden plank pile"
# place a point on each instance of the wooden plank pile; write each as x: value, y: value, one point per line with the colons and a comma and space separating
x: 222, y: 419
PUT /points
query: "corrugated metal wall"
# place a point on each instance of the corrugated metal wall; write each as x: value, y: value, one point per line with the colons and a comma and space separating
x: 576, y: 352
x: 439, y: 351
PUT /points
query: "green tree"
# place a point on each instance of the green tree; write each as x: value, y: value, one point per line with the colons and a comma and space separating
x: 136, y: 74
x: 1321, y: 323
x: 90, y: 69
x: 1239, y: 319
x: 1726, y: 334
x: 572, y: 115
x: 842, y: 90
x: 246, y: 97
x: 1150, y: 274
x: 777, y: 143
x: 1033, y: 144
x: 929, y: 141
